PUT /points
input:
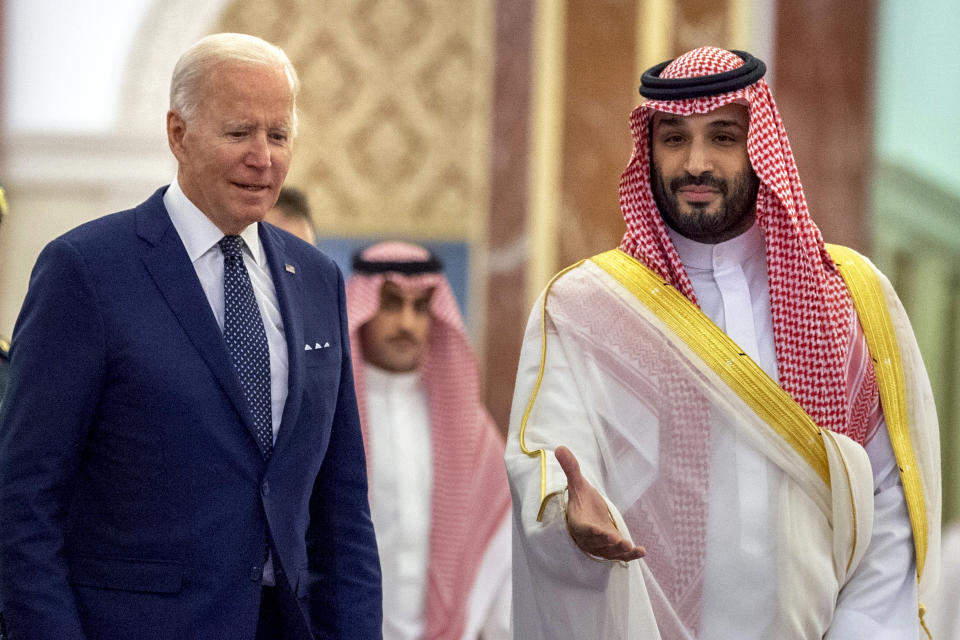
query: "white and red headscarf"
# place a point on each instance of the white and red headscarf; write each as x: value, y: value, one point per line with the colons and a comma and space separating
x: 470, y: 496
x: 822, y: 359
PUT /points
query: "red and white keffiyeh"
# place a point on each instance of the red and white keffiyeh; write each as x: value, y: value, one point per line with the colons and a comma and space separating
x: 822, y: 359
x: 470, y: 496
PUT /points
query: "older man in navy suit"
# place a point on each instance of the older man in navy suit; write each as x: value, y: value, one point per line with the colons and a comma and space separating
x: 180, y: 453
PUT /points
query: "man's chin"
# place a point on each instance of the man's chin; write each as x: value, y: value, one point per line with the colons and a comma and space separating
x: 402, y: 366
x: 249, y: 214
x: 699, y: 211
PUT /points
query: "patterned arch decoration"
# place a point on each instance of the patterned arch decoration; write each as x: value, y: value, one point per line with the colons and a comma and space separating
x: 395, y: 111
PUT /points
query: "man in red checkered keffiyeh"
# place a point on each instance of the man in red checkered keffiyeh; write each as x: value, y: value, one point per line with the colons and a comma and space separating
x: 813, y: 317
x: 438, y: 492
x: 704, y: 408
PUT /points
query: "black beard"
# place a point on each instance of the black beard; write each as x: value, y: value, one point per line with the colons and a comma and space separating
x: 735, y: 215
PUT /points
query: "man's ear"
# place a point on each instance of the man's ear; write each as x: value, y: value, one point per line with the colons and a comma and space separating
x: 176, y: 129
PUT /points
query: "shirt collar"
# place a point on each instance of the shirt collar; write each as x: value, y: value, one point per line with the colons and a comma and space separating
x: 736, y: 250
x: 197, y: 231
x: 382, y: 380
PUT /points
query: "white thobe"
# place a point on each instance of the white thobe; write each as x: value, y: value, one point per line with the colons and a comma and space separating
x: 880, y: 600
x: 398, y: 424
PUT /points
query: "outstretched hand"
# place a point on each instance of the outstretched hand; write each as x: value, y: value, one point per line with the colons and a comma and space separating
x: 588, y: 519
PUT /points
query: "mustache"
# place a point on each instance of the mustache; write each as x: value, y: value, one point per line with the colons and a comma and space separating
x: 704, y: 180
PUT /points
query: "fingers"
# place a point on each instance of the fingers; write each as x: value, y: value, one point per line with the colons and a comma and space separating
x: 568, y: 462
x: 588, y: 518
x: 626, y: 552
x: 607, y: 544
x: 620, y: 550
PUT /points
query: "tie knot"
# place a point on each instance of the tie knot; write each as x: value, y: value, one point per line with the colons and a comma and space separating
x: 231, y: 246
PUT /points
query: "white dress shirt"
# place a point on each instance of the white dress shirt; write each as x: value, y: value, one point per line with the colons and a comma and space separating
x: 200, y: 238
x: 880, y: 600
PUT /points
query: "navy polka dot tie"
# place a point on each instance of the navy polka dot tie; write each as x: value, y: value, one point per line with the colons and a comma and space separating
x: 246, y: 340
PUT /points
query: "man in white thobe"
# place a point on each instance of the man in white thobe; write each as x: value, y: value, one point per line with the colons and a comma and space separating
x: 745, y: 402
x: 438, y: 490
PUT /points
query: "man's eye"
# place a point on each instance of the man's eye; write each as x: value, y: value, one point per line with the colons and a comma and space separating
x: 279, y: 137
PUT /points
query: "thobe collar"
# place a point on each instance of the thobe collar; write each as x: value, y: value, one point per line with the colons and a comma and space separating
x: 381, y: 380
x: 709, y: 257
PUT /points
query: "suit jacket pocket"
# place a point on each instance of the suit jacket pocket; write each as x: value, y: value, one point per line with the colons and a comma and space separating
x: 127, y: 574
x: 326, y: 357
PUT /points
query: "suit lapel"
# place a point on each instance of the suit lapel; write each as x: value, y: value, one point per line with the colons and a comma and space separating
x: 289, y: 287
x: 171, y: 270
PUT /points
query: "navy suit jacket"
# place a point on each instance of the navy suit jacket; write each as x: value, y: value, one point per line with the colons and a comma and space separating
x: 134, y: 501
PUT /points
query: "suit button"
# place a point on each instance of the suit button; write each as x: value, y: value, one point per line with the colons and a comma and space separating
x: 265, y: 488
x: 256, y: 573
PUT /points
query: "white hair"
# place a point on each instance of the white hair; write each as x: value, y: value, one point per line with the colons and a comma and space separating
x: 196, y: 62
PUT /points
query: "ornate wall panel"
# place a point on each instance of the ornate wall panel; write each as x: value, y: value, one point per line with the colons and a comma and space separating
x: 395, y: 111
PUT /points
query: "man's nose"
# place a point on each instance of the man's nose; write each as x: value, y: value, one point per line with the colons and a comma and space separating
x: 407, y: 316
x: 699, y: 159
x: 258, y: 152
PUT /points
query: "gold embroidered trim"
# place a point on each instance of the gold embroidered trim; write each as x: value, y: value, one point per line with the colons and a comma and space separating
x: 723, y: 356
x: 923, y: 622
x: 540, y: 453
x: 877, y: 326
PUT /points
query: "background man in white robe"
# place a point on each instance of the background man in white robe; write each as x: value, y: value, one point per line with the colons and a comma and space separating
x: 438, y: 490
x: 715, y: 211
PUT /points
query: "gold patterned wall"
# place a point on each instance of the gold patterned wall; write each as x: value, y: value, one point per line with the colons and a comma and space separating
x: 395, y: 111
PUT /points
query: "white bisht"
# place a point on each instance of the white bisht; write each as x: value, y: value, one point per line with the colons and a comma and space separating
x: 658, y: 405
